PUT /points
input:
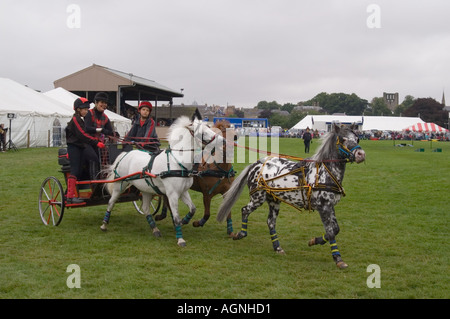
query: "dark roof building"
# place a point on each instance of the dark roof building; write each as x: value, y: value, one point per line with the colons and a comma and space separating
x: 120, y: 86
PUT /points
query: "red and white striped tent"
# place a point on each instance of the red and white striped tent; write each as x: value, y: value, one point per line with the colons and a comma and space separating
x: 426, y: 127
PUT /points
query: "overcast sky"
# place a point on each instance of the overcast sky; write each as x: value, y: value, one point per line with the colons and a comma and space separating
x: 236, y: 52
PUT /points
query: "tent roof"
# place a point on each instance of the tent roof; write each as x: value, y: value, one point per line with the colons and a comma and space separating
x: 381, y: 123
x: 425, y: 127
x: 19, y: 99
x: 67, y: 98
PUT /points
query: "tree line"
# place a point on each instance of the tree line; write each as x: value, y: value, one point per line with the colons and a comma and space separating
x: 428, y: 109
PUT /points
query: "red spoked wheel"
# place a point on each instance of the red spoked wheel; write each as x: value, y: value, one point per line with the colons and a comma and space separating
x: 51, y: 201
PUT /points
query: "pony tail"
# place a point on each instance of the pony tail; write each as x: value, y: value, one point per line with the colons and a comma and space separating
x: 232, y: 195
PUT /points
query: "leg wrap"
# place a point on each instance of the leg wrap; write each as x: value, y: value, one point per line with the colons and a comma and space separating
x: 202, y: 222
x: 274, y: 238
x: 244, y: 226
x: 150, y: 221
x: 229, y: 226
x: 334, y: 249
x: 107, y: 217
x: 187, y: 218
x: 178, y: 232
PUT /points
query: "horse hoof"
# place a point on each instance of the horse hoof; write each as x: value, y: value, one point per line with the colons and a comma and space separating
x: 312, y: 242
x: 181, y: 242
x: 156, y: 232
x: 196, y: 224
x: 104, y: 227
x: 281, y: 251
x: 231, y: 235
x: 341, y: 265
x: 239, y: 236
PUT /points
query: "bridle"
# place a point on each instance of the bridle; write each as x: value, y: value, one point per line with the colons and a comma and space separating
x: 344, y: 151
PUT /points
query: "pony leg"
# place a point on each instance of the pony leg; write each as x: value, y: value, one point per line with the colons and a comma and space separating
x: 146, y: 198
x: 206, y: 214
x: 173, y: 204
x: 186, y: 198
x: 163, y: 210
x: 256, y: 200
x: 115, y: 193
x: 274, y: 209
x: 331, y: 230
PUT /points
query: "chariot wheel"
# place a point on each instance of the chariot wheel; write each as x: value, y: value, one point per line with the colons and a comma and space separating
x: 155, y: 205
x: 51, y: 201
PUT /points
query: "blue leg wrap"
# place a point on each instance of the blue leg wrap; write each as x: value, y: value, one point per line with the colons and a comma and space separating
x: 187, y: 218
x: 244, y: 226
x: 150, y: 221
x: 274, y: 238
x: 178, y: 232
x: 334, y: 248
x: 107, y: 217
x: 229, y: 226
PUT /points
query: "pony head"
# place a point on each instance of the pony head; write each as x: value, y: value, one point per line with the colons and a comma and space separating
x: 341, y: 143
x: 187, y: 136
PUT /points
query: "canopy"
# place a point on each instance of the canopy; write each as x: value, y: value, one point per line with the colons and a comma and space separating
x: 36, y: 120
x: 426, y: 127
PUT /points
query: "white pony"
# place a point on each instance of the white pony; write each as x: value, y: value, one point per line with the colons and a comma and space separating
x: 172, y: 168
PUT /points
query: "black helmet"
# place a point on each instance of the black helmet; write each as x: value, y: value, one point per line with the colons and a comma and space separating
x: 81, y: 103
x: 101, y: 96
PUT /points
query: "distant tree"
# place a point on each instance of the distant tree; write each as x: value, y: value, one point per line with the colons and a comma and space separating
x: 264, y: 105
x: 265, y: 114
x: 239, y: 113
x: 401, y: 108
x: 429, y: 110
x: 288, y: 107
x: 379, y: 107
x: 349, y: 104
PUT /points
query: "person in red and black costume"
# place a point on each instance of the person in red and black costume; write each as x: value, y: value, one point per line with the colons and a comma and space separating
x: 143, y: 131
x: 97, y: 122
x: 80, y: 147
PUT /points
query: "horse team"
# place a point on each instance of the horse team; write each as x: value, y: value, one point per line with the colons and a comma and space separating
x: 314, y: 183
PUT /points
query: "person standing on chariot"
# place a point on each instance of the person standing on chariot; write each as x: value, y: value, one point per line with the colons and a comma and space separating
x: 80, y: 146
x: 143, y: 130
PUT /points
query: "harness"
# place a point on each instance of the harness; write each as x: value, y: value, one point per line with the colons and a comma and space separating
x: 301, y: 170
x: 183, y: 172
x: 219, y: 173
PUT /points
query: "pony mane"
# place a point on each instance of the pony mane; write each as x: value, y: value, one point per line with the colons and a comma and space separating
x: 178, y: 128
x: 327, y: 148
x: 222, y: 125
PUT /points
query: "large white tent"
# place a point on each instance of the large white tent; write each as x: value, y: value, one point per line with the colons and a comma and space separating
x: 365, y: 123
x: 38, y: 119
x: 121, y: 124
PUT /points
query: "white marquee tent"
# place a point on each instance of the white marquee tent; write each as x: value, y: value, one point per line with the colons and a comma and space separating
x: 39, y: 120
x: 365, y: 123
x: 121, y: 124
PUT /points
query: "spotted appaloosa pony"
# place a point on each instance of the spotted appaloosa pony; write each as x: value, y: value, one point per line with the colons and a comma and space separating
x: 314, y: 183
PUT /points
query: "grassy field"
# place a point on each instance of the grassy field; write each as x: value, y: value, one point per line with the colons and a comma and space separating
x: 395, y: 215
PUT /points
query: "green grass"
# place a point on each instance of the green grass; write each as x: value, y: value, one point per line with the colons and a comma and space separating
x: 395, y: 215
